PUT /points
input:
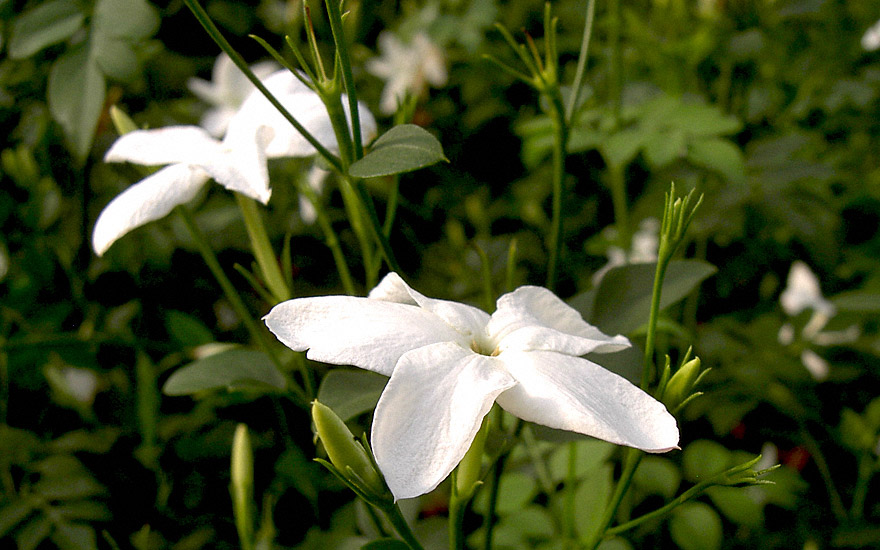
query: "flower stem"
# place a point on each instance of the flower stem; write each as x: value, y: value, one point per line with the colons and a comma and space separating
x: 234, y: 298
x: 262, y: 248
x: 402, y: 527
x: 560, y: 140
x: 577, y: 84
x: 335, y: 17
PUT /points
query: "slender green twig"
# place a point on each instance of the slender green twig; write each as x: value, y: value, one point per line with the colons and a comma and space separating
x: 331, y: 240
x: 577, y: 85
x: 402, y: 527
x: 344, y: 58
x: 262, y: 248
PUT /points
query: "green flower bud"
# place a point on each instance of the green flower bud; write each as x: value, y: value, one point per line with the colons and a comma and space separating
x: 349, y: 458
x: 681, y: 385
x: 242, y: 485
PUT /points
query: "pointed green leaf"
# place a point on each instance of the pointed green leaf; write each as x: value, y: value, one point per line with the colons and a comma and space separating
x: 623, y: 299
x: 351, y: 392
x: 76, y: 97
x: 401, y: 149
x: 719, y: 155
x: 47, y: 24
x: 696, y: 526
x: 234, y: 369
x: 74, y: 536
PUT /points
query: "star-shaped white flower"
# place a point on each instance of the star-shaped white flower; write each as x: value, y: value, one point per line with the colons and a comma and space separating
x: 407, y: 68
x: 193, y: 156
x: 449, y: 363
x: 226, y: 91
x: 871, y: 38
x: 802, y: 292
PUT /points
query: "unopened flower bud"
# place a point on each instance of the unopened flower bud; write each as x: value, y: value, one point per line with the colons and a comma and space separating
x: 346, y: 454
x: 242, y: 484
x: 681, y: 385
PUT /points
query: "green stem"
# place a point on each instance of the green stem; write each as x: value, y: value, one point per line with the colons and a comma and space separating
x: 232, y: 295
x: 651, y: 336
x: 262, y: 248
x: 577, y: 85
x: 560, y: 139
x: 402, y: 527
x: 616, y: 67
x: 621, y: 209
x: 570, y: 508
x: 631, y: 461
x: 860, y: 492
x: 815, y: 450
x: 457, y: 507
x: 376, y: 226
x: 205, y: 20
x: 342, y: 54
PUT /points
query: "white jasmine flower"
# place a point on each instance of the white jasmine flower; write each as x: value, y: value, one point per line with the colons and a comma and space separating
x: 449, y: 363
x: 871, y: 38
x: 226, y: 91
x: 407, y: 68
x: 815, y: 364
x: 193, y: 156
x: 802, y: 292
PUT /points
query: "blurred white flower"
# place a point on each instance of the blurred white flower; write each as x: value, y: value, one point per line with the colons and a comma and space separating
x: 801, y: 293
x: 449, y: 362
x: 871, y: 38
x: 645, y: 243
x: 192, y: 156
x: 407, y: 68
x: 226, y: 91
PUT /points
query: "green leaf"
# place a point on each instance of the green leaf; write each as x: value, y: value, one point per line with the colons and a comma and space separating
x: 658, y: 476
x: 14, y: 513
x: 74, y: 536
x: 857, y: 301
x: 704, y: 458
x: 234, y: 369
x: 130, y: 19
x: 738, y: 505
x: 719, y: 155
x: 591, y: 454
x: 591, y: 497
x: 47, y: 24
x: 663, y: 148
x: 76, y: 97
x: 623, y: 299
x: 351, y: 392
x: 696, y: 526
x: 621, y: 148
x: 33, y: 533
x: 386, y: 544
x: 401, y: 149
x: 514, y: 493
x: 187, y: 330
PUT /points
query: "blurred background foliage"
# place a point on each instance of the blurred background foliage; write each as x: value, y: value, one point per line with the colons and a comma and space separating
x: 769, y: 107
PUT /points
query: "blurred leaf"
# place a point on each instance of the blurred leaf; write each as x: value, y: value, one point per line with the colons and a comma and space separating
x: 86, y: 510
x: 386, y: 544
x: 186, y: 330
x: 235, y: 369
x: 857, y: 301
x: 719, y: 155
x: 622, y: 302
x: 76, y: 96
x: 591, y: 497
x: 591, y: 453
x: 658, y: 476
x: 662, y: 149
x: 696, y: 526
x: 47, y: 24
x: 403, y: 148
x: 704, y: 458
x: 351, y: 392
x: 514, y: 493
x: 74, y: 536
x: 33, y: 533
x: 14, y: 513
x: 738, y: 505
x: 622, y: 147
x: 129, y: 19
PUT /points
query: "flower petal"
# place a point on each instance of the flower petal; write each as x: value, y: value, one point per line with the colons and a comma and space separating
x: 184, y: 144
x: 346, y: 330
x: 574, y: 394
x: 430, y: 412
x: 241, y: 165
x: 533, y: 318
x: 802, y: 292
x: 305, y: 106
x: 150, y: 199
x: 467, y: 320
